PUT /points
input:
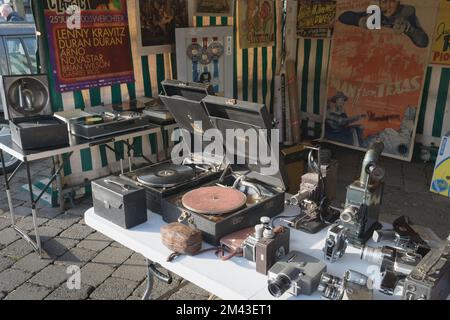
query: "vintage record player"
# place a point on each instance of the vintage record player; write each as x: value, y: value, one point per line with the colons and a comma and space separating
x: 166, y: 179
x: 244, y: 193
x: 30, y: 115
x: 104, y: 121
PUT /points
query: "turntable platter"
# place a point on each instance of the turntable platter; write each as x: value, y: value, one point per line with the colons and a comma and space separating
x: 166, y: 176
x: 214, y: 200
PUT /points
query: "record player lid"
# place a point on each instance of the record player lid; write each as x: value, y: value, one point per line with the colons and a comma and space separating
x: 25, y: 96
x: 232, y: 114
x: 189, y: 90
x: 188, y: 113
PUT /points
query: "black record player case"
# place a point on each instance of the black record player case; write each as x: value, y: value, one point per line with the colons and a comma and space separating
x: 30, y: 115
x: 154, y: 195
x: 231, y: 114
x: 183, y: 100
x: 119, y: 202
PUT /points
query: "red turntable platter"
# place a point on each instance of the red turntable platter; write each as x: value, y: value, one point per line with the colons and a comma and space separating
x: 214, y: 200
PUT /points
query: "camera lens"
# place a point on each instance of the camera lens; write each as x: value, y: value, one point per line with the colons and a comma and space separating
x: 279, y: 286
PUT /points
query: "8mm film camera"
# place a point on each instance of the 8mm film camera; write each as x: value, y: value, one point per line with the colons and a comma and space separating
x: 297, y: 273
x: 267, y: 245
x: 430, y: 280
x: 354, y: 286
x: 395, y: 264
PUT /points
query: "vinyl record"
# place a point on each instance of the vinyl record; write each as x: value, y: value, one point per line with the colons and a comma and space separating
x: 166, y: 175
x: 214, y: 200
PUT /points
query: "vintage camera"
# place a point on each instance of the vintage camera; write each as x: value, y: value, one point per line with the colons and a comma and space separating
x: 317, y: 190
x: 267, y: 245
x: 354, y: 286
x: 395, y: 264
x: 297, y: 273
x: 430, y: 280
x: 402, y: 235
x: 364, y: 198
x: 335, y: 244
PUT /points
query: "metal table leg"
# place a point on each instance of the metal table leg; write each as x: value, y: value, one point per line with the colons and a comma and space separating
x: 152, y: 271
x: 130, y: 160
x: 8, y: 190
x: 59, y: 186
x: 37, y: 244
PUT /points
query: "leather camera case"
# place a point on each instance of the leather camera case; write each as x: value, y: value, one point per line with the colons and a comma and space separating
x: 181, y: 239
x: 233, y: 243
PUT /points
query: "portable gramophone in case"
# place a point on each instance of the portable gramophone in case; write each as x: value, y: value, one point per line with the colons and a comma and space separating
x: 241, y: 197
x: 29, y: 111
x: 166, y: 179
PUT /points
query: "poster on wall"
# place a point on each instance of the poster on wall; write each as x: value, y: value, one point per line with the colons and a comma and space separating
x: 316, y: 18
x: 86, y: 57
x: 256, y: 23
x: 441, y: 42
x: 376, y: 76
x: 223, y: 8
x: 157, y: 21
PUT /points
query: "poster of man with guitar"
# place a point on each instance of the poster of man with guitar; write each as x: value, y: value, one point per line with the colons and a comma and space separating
x: 339, y: 126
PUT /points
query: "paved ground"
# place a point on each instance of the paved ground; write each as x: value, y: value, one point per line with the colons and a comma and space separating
x: 110, y: 271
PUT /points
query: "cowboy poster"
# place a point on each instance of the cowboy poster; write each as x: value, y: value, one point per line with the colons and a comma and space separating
x: 376, y: 76
x: 86, y: 57
x: 315, y: 18
x: 256, y: 23
x: 441, y: 42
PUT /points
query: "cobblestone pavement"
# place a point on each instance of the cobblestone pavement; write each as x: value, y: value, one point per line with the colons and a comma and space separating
x: 110, y: 271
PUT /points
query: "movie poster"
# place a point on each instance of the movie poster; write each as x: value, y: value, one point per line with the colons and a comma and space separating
x: 158, y: 20
x: 256, y: 23
x: 316, y: 18
x: 223, y: 8
x: 85, y: 56
x: 376, y: 76
x: 441, y: 41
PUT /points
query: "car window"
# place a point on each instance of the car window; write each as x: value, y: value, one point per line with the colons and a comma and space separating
x: 3, y: 64
x: 31, y: 46
x: 17, y: 57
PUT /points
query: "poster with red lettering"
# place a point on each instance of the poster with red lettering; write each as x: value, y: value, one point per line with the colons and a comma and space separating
x: 89, y: 43
x: 376, y: 75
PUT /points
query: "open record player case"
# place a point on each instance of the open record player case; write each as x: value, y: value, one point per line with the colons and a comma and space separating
x: 167, y: 179
x: 29, y: 111
x: 265, y: 194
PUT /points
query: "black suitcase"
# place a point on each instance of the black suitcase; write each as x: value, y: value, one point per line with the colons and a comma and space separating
x: 119, y: 202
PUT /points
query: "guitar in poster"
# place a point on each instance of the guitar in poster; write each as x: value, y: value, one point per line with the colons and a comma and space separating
x: 256, y: 23
x: 86, y: 57
x: 376, y: 76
